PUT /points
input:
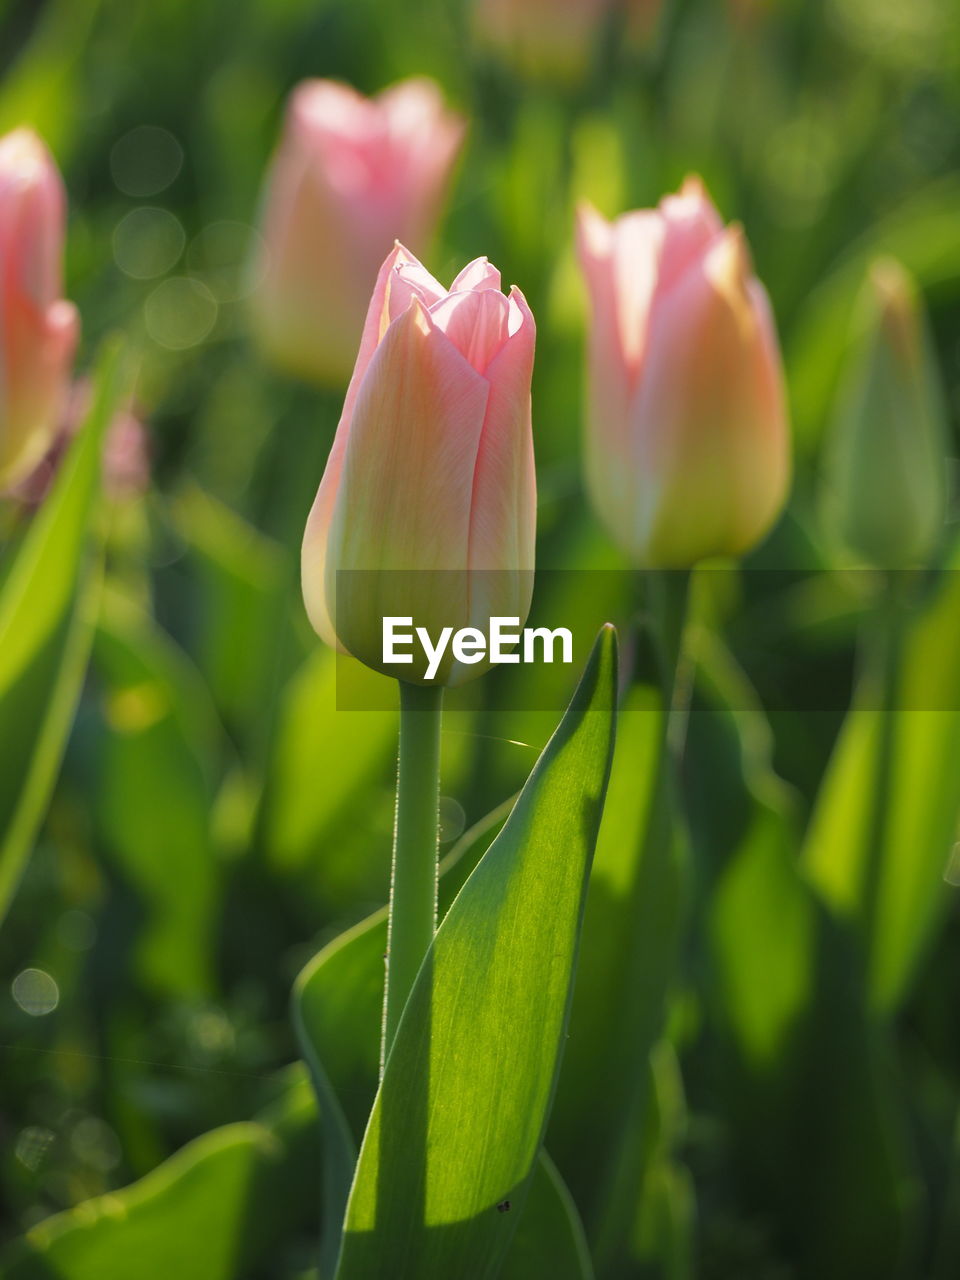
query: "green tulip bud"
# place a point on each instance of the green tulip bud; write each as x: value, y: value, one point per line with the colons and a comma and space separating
x: 885, y: 466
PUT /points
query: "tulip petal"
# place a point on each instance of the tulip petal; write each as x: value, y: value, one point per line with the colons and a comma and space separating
x: 690, y: 225
x: 687, y: 450
x: 350, y: 176
x: 402, y: 277
x: 38, y: 330
x: 475, y: 322
x: 711, y: 429
x: 609, y: 254
x: 420, y: 126
x: 503, y: 501
x: 637, y: 244
x: 302, y: 219
x: 478, y: 274
x: 406, y: 475
x: 314, y: 549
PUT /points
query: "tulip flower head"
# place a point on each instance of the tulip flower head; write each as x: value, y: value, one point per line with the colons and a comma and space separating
x: 38, y: 330
x: 886, y: 467
x: 351, y: 176
x: 427, y: 505
x: 687, y: 442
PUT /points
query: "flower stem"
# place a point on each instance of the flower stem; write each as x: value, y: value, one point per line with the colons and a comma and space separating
x: 413, y: 887
x: 669, y: 599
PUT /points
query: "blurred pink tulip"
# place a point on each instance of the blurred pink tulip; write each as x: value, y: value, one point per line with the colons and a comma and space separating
x: 430, y: 489
x: 351, y: 176
x: 38, y: 330
x: 687, y: 445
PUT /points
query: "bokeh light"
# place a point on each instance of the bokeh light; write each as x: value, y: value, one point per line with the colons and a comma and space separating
x: 36, y: 992
x: 145, y: 161
x: 180, y: 313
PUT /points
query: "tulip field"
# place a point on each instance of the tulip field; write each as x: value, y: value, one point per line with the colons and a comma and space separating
x: 479, y: 640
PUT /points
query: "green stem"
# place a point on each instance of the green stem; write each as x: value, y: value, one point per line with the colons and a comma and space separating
x: 669, y: 598
x: 413, y: 887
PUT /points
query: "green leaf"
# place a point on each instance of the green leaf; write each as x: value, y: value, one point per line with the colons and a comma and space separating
x: 240, y: 592
x: 664, y: 1231
x: 801, y: 1068
x: 762, y: 908
x: 45, y: 80
x: 153, y: 796
x: 211, y: 1212
x: 920, y: 233
x: 922, y: 801
x: 349, y: 751
x: 759, y: 903
x: 549, y: 1241
x: 47, y: 608
x: 337, y: 1006
x: 630, y: 937
x: 460, y: 1115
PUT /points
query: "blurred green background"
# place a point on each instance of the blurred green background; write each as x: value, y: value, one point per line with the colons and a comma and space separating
x: 217, y: 820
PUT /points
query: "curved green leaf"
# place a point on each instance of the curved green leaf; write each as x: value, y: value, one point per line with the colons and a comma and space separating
x: 47, y: 609
x: 337, y: 1005
x: 801, y: 1068
x: 549, y: 1242
x: 631, y: 933
x: 349, y: 751
x: 922, y: 801
x: 239, y: 575
x: 153, y: 798
x: 460, y: 1115
x: 210, y: 1212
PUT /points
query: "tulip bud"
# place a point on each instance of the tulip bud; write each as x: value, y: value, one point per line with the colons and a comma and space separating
x: 427, y: 506
x: 885, y: 483
x: 38, y: 330
x: 687, y: 443
x: 351, y: 176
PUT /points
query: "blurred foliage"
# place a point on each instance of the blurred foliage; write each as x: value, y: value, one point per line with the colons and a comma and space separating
x: 219, y: 819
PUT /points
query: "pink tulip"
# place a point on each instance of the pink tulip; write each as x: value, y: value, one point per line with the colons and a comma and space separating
x: 429, y: 491
x: 351, y: 176
x: 38, y: 330
x: 687, y: 448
